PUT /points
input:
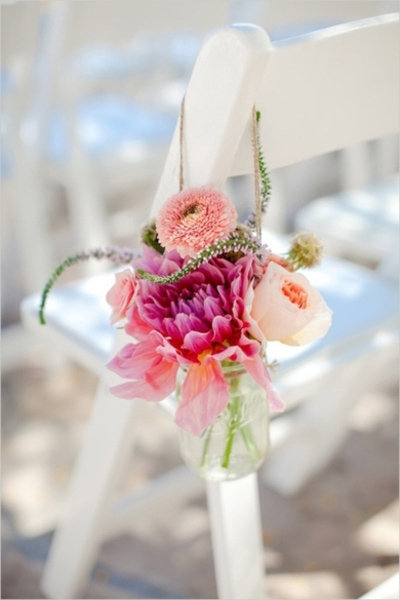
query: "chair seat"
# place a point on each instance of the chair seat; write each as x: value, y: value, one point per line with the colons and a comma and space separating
x: 363, y: 223
x: 361, y: 304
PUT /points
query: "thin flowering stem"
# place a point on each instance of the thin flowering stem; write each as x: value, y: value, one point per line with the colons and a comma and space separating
x: 264, y: 177
x: 236, y: 243
x: 115, y: 254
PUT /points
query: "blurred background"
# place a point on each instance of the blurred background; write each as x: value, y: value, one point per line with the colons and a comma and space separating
x: 90, y: 95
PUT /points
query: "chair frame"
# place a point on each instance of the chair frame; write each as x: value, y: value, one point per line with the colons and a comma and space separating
x: 218, y: 105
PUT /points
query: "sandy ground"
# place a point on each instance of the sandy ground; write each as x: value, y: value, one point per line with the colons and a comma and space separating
x: 336, y: 539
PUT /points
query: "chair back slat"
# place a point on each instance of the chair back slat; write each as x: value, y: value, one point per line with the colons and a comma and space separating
x: 328, y: 90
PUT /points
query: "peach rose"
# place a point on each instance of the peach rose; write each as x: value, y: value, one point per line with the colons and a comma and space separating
x: 122, y: 295
x: 287, y: 308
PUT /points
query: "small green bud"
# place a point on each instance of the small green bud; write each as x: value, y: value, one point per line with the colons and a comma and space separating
x: 149, y: 237
x: 306, y: 251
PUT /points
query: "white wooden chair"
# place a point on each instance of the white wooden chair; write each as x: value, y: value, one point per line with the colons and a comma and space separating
x: 319, y: 94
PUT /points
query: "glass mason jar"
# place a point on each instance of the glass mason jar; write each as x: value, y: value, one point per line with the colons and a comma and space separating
x: 237, y: 443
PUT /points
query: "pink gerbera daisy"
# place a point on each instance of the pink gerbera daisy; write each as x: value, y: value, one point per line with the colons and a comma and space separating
x: 195, y: 218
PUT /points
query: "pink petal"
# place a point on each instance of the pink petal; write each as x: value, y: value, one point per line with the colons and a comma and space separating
x: 123, y: 363
x: 205, y: 393
x: 156, y: 384
x: 246, y: 349
x: 134, y: 359
x: 151, y: 366
x: 212, y: 308
x: 197, y: 341
x: 258, y: 370
x: 221, y: 327
x: 135, y: 326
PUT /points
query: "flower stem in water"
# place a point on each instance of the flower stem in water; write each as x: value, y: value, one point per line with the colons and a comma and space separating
x: 228, y: 447
x: 249, y: 442
x: 205, y: 448
x: 234, y: 407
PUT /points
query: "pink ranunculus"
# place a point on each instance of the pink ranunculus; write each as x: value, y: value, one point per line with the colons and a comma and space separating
x: 194, y: 218
x: 287, y: 308
x: 122, y: 295
x: 195, y: 322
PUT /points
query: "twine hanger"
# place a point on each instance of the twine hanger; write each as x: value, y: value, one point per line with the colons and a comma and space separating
x: 256, y: 166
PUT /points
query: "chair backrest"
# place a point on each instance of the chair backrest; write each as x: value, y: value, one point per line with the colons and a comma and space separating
x: 322, y: 92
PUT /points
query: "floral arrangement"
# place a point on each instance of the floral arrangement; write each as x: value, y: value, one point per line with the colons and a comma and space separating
x: 204, y: 294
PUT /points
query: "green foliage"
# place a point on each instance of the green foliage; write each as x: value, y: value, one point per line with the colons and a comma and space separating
x: 149, y: 237
x: 265, y: 180
x: 115, y: 254
x: 235, y: 244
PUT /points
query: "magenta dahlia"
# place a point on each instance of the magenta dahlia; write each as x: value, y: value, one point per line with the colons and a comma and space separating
x: 195, y: 322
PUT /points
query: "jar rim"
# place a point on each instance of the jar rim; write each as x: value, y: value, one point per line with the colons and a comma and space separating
x: 230, y: 368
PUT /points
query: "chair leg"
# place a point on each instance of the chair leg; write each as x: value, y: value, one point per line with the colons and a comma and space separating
x: 104, y: 453
x: 236, y: 537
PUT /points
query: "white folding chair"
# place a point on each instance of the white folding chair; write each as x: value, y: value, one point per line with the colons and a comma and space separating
x: 316, y: 95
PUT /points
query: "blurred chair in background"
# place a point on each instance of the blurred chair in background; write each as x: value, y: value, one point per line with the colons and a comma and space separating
x: 290, y: 18
x: 327, y: 373
x: 93, y: 111
x: 360, y: 223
